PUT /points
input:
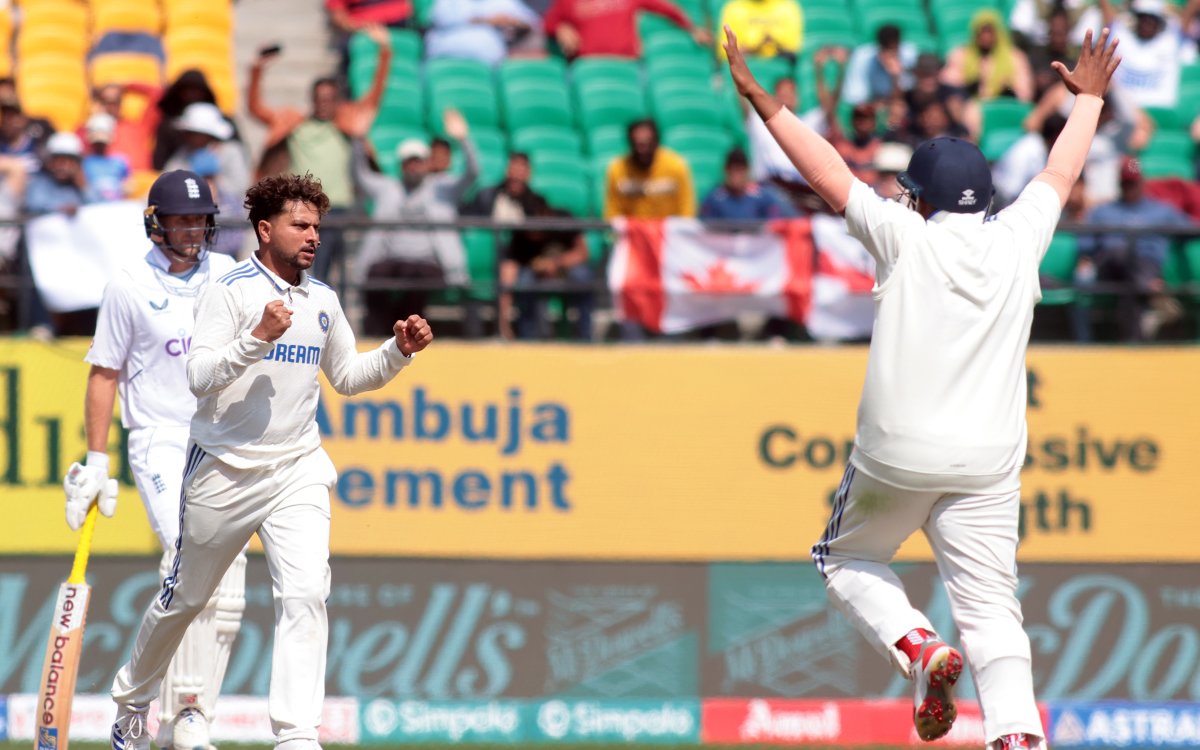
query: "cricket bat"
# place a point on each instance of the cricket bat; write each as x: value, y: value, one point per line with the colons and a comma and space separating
x: 56, y: 690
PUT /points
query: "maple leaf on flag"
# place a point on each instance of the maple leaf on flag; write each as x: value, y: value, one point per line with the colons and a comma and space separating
x: 718, y: 280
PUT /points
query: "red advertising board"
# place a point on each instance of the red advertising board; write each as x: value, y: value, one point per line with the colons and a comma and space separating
x: 760, y: 721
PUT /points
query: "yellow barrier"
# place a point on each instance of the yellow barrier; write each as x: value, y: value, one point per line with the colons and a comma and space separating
x: 652, y: 454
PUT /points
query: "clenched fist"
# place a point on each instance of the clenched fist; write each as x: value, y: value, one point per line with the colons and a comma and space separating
x: 412, y: 334
x: 276, y: 319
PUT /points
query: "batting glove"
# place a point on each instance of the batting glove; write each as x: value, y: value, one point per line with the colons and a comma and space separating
x: 85, y: 484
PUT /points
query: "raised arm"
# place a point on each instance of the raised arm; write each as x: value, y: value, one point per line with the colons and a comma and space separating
x: 254, y: 101
x: 383, y: 67
x: 816, y: 159
x: 1088, y: 82
x: 456, y: 127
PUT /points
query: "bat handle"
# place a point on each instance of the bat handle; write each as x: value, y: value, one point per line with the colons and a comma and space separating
x: 84, y: 548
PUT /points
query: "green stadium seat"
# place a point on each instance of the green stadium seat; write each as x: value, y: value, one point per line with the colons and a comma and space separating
x: 685, y: 107
x: 824, y: 27
x: 386, y: 137
x: 406, y: 45
x: 403, y: 103
x: 707, y: 172
x: 491, y: 145
x: 480, y: 248
x: 608, y: 104
x: 768, y: 70
x: 694, y: 138
x: 607, y: 141
x: 528, y: 104
x: 547, y: 138
x: 547, y: 71
x: 1059, y: 265
x: 422, y: 11
x: 453, y: 70
x: 606, y: 70
x: 362, y: 74
x: 599, y: 185
x: 669, y: 42
x: 475, y: 100
x: 563, y: 191
x: 1175, y: 270
x: 998, y: 140
x: 1175, y: 144
x: 1168, y: 118
x: 953, y: 25
x: 558, y: 163
x: 1004, y: 113
x: 672, y: 87
x: 1157, y: 166
x: 688, y: 67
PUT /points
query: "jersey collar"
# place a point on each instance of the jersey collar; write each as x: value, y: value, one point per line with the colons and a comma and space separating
x: 157, y: 258
x: 942, y: 217
x: 280, y: 285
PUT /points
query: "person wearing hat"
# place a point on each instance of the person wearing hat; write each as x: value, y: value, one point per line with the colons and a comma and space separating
x: 60, y: 185
x: 1133, y: 259
x: 205, y: 135
x: 941, y: 431
x: 891, y: 158
x: 104, y: 172
x: 1153, y: 49
x: 433, y: 257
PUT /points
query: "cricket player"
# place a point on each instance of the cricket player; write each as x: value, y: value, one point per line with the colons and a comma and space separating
x: 139, y: 352
x: 255, y: 462
x: 941, y: 425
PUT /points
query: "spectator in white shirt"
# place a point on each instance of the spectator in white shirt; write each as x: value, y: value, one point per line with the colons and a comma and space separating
x: 1153, y: 48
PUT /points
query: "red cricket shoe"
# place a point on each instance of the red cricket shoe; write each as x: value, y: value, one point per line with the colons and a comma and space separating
x: 934, y: 672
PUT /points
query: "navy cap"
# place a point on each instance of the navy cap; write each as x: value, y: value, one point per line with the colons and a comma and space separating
x: 950, y: 174
x: 181, y: 193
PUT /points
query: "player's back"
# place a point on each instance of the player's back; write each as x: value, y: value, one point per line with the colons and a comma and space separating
x: 943, y: 403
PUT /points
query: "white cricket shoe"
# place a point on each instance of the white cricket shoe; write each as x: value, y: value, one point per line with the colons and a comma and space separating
x: 189, y: 730
x: 937, y: 668
x: 129, y: 731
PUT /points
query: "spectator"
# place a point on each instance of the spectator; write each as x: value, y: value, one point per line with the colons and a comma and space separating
x: 1024, y: 160
x: 441, y: 154
x: 765, y: 28
x: 767, y: 159
x: 19, y: 138
x: 1057, y: 48
x: 891, y: 158
x: 191, y: 87
x: 1030, y: 19
x: 989, y: 65
x: 739, y: 197
x: 859, y: 147
x: 320, y: 142
x: 133, y: 139
x: 533, y: 257
x: 430, y: 256
x: 60, y: 186
x: 876, y: 71
x: 932, y: 121
x: 584, y: 28
x: 483, y: 30
x: 349, y: 16
x: 1133, y: 259
x: 38, y: 128
x: 1152, y: 51
x: 231, y: 208
x: 651, y: 182
x: 104, y: 172
x: 204, y: 132
x: 927, y: 86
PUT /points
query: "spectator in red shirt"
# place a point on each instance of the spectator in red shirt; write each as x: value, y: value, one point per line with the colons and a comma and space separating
x: 607, y: 27
x: 352, y: 15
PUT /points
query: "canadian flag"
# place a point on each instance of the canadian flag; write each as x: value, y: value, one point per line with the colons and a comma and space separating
x: 673, y: 275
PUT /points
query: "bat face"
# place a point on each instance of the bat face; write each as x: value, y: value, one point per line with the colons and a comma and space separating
x: 57, y: 687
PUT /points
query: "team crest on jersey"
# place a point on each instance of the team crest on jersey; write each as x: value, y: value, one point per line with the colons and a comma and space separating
x: 323, y: 321
x: 193, y: 188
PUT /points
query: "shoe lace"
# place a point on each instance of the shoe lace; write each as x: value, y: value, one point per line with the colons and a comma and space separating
x: 135, y: 724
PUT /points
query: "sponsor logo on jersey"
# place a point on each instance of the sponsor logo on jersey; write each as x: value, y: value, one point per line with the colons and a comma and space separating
x: 968, y: 198
x: 295, y: 354
x: 323, y: 321
x: 161, y: 307
x: 178, y: 347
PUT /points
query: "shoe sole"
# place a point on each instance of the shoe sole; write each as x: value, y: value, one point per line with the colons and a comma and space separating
x: 937, y: 712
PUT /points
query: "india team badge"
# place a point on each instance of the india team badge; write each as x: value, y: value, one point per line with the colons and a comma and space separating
x: 323, y: 321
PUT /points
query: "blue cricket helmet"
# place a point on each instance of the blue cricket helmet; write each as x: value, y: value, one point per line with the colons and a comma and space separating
x: 950, y: 174
x: 181, y: 193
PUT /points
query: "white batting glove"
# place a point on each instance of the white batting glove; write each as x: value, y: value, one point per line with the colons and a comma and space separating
x: 87, y: 484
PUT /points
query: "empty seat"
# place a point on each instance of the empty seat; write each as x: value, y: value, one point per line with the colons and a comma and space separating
x: 532, y: 103
x: 607, y: 70
x: 564, y: 192
x: 476, y: 102
x: 605, y: 103
x: 125, y: 68
x: 547, y: 138
x: 143, y: 16
x: 546, y: 71
x: 677, y: 108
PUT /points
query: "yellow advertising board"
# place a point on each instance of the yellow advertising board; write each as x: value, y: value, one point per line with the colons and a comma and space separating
x: 680, y: 453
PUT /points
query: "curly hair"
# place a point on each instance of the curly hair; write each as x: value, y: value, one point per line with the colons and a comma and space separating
x: 269, y: 197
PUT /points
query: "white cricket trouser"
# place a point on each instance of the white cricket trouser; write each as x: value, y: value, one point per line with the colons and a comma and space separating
x: 288, y: 507
x: 974, y: 541
x: 156, y: 457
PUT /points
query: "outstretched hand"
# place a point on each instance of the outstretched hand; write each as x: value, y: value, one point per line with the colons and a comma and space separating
x: 743, y: 79
x: 1095, y: 68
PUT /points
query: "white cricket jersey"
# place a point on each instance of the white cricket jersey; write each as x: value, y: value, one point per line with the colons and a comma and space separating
x: 143, y: 331
x: 943, y: 403
x: 257, y: 401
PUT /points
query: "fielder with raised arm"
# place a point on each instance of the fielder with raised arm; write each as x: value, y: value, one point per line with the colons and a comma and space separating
x: 255, y: 463
x: 139, y: 352
x: 941, y: 432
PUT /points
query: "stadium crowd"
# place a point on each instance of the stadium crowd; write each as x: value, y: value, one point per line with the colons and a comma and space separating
x: 511, y: 110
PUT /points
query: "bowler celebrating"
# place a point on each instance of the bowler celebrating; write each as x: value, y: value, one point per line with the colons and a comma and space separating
x: 941, y: 425
x: 255, y: 464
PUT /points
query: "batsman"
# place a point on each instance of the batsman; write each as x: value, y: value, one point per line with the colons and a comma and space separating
x: 139, y: 353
